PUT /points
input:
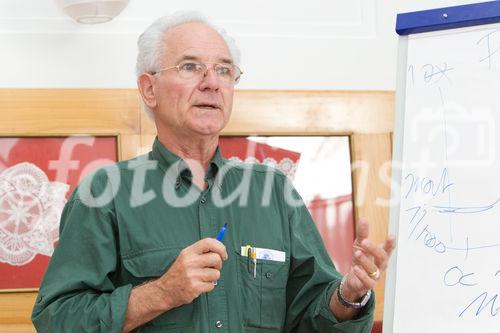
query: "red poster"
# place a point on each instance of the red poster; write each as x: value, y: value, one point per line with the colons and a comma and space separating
x: 37, y: 175
x: 243, y: 150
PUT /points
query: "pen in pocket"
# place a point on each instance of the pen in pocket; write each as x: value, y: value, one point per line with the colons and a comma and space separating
x: 254, y: 261
x: 249, y: 258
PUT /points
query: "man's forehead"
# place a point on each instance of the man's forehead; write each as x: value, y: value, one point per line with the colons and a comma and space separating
x: 196, y: 38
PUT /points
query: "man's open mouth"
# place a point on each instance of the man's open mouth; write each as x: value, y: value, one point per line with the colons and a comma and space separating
x: 207, y: 106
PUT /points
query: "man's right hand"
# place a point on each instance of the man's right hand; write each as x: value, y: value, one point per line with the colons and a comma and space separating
x: 193, y: 272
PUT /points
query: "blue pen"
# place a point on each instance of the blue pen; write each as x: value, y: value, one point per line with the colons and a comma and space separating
x: 219, y: 237
x: 221, y: 233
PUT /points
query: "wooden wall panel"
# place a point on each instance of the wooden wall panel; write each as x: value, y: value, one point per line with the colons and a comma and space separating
x: 72, y: 112
x: 311, y: 112
x: 17, y: 328
x: 371, y: 191
x: 15, y: 309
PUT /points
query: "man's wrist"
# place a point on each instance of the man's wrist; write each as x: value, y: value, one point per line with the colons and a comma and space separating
x: 161, y: 294
x: 347, y: 301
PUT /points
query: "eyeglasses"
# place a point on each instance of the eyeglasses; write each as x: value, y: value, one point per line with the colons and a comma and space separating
x: 226, y: 73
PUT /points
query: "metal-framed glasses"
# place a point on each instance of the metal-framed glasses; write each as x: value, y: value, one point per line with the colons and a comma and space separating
x: 226, y: 73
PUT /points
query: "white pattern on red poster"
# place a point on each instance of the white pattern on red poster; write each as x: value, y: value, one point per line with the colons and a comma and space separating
x: 286, y: 165
x: 30, y: 209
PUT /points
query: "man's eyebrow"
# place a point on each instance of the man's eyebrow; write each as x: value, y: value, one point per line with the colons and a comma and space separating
x: 226, y: 61
x: 189, y: 57
x: 222, y: 60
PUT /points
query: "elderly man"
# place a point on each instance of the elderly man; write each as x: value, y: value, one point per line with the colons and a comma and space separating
x: 137, y: 247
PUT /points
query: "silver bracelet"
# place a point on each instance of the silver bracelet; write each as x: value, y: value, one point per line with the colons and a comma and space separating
x: 346, y: 303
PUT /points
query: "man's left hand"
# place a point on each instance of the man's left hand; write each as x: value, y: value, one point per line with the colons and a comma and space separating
x: 368, y: 265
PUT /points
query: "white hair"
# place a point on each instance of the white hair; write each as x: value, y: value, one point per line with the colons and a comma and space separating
x: 151, y: 43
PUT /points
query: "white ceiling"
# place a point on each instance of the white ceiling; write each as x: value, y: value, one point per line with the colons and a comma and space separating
x: 317, y: 45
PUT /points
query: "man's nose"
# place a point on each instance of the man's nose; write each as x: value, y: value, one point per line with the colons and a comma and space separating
x: 209, y: 80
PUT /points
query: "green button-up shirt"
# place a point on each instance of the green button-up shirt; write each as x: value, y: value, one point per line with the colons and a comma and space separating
x: 127, y: 223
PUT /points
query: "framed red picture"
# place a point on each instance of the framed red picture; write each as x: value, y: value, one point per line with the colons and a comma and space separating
x: 37, y: 175
x: 305, y: 160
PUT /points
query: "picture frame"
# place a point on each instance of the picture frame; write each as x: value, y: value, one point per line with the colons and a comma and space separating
x: 37, y: 176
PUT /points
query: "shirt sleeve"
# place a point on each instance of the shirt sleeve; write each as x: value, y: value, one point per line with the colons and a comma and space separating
x: 313, y: 280
x: 77, y: 293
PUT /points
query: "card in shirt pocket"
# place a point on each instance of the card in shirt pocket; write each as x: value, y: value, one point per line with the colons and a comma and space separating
x: 265, y: 254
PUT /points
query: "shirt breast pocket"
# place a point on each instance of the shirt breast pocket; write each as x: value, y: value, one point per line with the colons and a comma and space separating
x: 150, y: 265
x: 263, y: 297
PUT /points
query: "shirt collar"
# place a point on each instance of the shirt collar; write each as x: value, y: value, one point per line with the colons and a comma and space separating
x: 166, y: 158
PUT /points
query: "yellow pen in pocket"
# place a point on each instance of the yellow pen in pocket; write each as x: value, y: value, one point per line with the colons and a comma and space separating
x: 254, y: 262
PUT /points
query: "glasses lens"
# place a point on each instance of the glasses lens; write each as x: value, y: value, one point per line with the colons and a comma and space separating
x: 189, y: 69
x: 228, y: 73
x: 225, y: 72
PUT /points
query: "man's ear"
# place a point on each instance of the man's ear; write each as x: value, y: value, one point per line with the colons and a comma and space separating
x: 145, y: 83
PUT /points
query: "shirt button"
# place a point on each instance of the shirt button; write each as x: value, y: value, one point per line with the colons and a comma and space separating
x: 269, y: 275
x: 218, y: 324
x: 203, y: 200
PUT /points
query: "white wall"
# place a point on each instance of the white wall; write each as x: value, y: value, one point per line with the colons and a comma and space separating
x: 286, y: 44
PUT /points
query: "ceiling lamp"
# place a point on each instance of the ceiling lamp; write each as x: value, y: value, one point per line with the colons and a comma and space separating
x: 92, y: 11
